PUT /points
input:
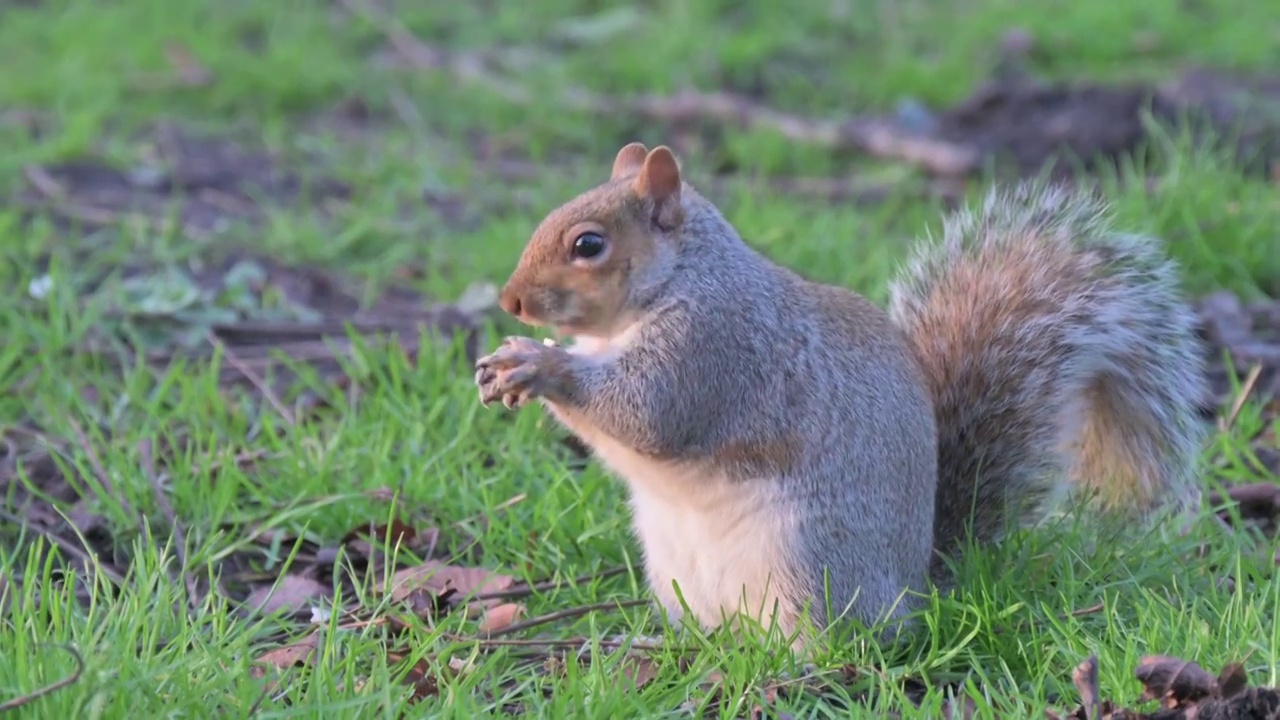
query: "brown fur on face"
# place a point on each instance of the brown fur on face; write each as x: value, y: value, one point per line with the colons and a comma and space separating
x: 550, y: 287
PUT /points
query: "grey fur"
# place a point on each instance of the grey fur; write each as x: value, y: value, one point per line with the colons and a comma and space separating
x: 819, y: 405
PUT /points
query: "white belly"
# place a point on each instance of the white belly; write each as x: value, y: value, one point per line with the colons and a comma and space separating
x: 724, y: 544
x: 721, y: 542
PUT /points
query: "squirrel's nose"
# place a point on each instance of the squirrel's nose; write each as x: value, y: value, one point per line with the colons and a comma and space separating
x: 510, y: 302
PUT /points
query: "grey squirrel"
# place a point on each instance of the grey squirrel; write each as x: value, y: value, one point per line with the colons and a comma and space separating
x: 794, y: 452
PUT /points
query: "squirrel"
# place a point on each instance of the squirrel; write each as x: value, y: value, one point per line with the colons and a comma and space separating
x: 795, y: 453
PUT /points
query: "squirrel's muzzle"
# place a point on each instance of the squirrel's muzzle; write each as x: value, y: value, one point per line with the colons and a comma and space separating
x: 538, y: 306
x: 522, y: 303
x: 510, y: 303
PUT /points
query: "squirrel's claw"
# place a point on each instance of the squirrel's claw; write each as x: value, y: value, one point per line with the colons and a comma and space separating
x: 510, y: 372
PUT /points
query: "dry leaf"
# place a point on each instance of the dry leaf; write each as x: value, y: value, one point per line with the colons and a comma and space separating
x: 424, y: 603
x: 500, y: 617
x: 639, y: 669
x: 1085, y: 677
x: 1173, y: 681
x: 297, y: 654
x: 1232, y: 680
x: 292, y: 593
x: 424, y: 681
x: 443, y: 580
x: 554, y: 666
x: 396, y: 533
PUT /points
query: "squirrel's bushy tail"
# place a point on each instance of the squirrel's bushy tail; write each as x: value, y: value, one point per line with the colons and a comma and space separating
x: 1056, y: 349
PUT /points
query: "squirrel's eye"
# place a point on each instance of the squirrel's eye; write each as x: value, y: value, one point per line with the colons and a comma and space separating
x: 588, y: 245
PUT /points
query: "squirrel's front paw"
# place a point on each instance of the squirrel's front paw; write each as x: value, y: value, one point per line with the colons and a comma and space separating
x: 519, y: 370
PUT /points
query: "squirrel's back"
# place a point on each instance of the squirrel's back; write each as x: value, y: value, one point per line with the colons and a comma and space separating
x: 788, y: 442
x: 1054, y: 348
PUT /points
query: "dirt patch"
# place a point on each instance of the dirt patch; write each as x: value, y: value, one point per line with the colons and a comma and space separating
x: 203, y: 183
x: 1022, y: 125
x: 1016, y: 123
x: 265, y: 319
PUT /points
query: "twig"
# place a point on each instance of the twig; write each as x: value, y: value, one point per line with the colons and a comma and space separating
x: 98, y: 468
x: 565, y: 614
x: 194, y: 598
x: 66, y: 545
x: 58, y: 203
x: 1255, y: 500
x: 41, y: 180
x: 514, y: 500
x: 1246, y: 389
x: 71, y: 679
x: 253, y: 378
x: 546, y: 585
x: 875, y: 136
x: 1088, y: 611
x: 558, y: 643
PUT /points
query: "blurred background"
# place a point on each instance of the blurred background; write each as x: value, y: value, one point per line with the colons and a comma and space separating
x: 215, y: 211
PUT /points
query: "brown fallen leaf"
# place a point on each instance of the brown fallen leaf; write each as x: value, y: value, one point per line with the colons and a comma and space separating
x: 1173, y: 681
x: 448, y: 580
x: 291, y: 593
x: 554, y: 666
x: 1232, y: 680
x: 501, y: 616
x: 1185, y: 691
x: 424, y: 681
x: 298, y: 654
x: 639, y: 669
x: 710, y: 693
x: 1085, y: 677
x: 368, y: 542
x: 397, y: 532
x: 425, y: 603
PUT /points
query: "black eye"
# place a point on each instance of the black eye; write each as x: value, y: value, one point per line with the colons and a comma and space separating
x: 588, y: 245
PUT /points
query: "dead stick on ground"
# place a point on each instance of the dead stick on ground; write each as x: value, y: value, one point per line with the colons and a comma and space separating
x: 505, y: 504
x: 1242, y: 397
x: 1088, y: 611
x: 565, y: 614
x: 31, y: 697
x: 99, y: 469
x: 545, y: 585
x: 256, y: 380
x: 561, y: 643
x: 875, y: 136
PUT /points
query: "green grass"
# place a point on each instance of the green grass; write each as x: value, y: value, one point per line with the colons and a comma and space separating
x: 1007, y: 633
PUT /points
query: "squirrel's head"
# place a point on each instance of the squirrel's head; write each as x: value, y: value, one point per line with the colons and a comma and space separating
x: 595, y: 262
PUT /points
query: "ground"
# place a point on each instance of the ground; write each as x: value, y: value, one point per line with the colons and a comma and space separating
x: 252, y: 250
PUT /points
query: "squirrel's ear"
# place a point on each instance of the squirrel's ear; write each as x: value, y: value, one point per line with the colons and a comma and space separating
x: 659, y: 181
x: 629, y: 160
